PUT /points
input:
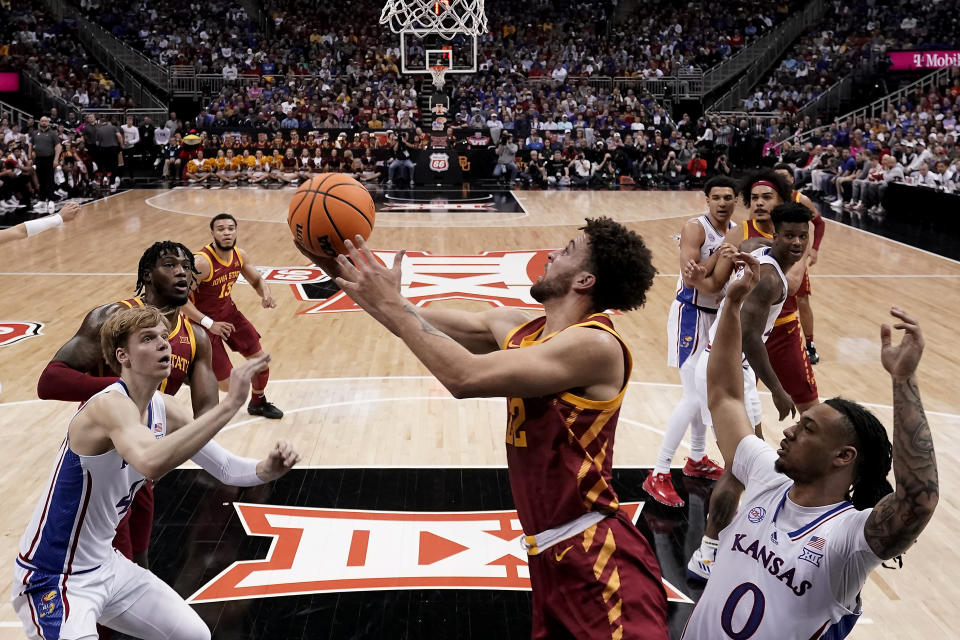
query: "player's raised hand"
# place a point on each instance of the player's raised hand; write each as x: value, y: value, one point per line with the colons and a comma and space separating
x: 328, y: 264
x: 746, y: 278
x: 278, y: 462
x: 365, y: 279
x: 901, y: 360
x: 241, y: 376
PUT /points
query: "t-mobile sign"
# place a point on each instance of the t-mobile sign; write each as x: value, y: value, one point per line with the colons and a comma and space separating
x: 911, y: 60
x: 10, y: 81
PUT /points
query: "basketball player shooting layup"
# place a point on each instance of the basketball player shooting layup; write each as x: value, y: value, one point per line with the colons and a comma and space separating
x: 818, y: 514
x: 564, y: 376
x: 67, y: 576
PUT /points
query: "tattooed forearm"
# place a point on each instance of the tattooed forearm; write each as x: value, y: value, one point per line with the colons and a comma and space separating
x: 424, y: 325
x: 899, y: 518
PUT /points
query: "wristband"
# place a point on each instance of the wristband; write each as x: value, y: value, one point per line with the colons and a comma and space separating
x: 207, y: 322
x: 42, y: 224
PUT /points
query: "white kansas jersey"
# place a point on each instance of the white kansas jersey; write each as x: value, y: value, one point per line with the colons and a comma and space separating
x: 76, y: 518
x: 783, y: 571
x: 764, y: 257
x: 713, y: 238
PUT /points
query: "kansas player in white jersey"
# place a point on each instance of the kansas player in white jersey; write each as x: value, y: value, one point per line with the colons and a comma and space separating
x: 818, y: 514
x: 67, y: 576
x: 691, y: 315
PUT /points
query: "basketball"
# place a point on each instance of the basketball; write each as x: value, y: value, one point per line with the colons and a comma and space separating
x: 328, y: 209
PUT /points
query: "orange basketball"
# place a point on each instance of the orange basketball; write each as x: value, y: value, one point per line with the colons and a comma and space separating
x: 328, y: 209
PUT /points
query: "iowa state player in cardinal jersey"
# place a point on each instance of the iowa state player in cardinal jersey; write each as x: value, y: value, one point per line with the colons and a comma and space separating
x: 818, y: 513
x: 564, y: 376
x: 220, y: 264
x: 78, y: 370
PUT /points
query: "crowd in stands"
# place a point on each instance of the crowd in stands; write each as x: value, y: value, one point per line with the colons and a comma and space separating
x: 537, y: 38
x: 32, y: 42
x: 850, y: 35
x: 850, y: 163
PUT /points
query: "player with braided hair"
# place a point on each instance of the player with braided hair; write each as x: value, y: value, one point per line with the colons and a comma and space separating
x: 818, y: 514
x: 78, y: 371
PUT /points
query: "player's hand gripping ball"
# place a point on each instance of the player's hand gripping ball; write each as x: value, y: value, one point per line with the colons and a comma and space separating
x: 328, y: 209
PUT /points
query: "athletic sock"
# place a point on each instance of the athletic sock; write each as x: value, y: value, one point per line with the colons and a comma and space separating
x: 698, y: 439
x: 708, y: 548
x: 257, y: 398
x: 682, y: 415
x: 809, y: 339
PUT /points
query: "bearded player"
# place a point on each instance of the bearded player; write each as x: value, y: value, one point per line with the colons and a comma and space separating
x: 219, y: 265
x: 564, y: 375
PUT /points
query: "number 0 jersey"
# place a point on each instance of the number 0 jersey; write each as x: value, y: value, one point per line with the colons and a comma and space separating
x: 212, y: 295
x: 560, y: 447
x: 783, y: 571
x: 76, y: 518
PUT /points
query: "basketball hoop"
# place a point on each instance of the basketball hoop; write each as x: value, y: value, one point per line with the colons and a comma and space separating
x: 446, y: 18
x: 438, y: 72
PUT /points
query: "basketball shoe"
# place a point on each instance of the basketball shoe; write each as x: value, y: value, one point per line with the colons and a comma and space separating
x: 261, y: 407
x: 660, y: 488
x: 699, y: 567
x: 703, y: 468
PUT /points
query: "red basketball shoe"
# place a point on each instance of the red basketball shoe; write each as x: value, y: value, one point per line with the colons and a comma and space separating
x: 660, y: 488
x: 705, y: 468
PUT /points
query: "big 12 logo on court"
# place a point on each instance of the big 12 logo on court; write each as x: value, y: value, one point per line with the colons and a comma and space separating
x: 11, y: 332
x: 501, y: 278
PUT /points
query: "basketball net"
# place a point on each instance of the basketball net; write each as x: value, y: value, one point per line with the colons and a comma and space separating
x: 438, y: 72
x: 446, y: 18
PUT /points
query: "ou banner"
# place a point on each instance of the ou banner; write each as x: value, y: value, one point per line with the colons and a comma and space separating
x: 502, y: 278
x: 330, y: 550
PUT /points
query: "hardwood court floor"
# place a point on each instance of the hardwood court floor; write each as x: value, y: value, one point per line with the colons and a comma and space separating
x: 355, y: 397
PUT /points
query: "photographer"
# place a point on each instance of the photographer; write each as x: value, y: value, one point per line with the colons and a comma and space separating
x: 722, y: 166
x: 672, y: 171
x: 507, y: 158
x: 579, y: 170
x: 402, y: 153
x: 648, y: 172
x: 535, y: 172
x: 558, y: 174
x: 604, y: 172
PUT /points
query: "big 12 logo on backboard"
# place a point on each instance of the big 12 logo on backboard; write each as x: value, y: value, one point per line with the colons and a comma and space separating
x: 502, y: 278
x: 11, y: 332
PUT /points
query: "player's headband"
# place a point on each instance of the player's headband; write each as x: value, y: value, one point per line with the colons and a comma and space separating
x: 763, y: 183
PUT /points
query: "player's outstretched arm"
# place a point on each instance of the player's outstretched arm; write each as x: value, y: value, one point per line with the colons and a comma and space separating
x: 118, y: 417
x: 479, y: 332
x: 63, y: 378
x: 236, y: 471
x: 899, y: 517
x: 33, y: 227
x: 579, y: 357
x: 756, y: 306
x: 724, y: 367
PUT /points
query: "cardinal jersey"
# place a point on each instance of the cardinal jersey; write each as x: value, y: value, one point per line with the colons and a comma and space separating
x: 783, y: 571
x: 74, y: 522
x: 561, y: 445
x: 212, y: 295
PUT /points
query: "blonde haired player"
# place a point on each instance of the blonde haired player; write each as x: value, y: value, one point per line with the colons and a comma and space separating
x: 67, y: 576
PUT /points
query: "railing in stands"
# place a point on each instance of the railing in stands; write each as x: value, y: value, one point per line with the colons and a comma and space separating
x: 879, y: 106
x: 16, y: 116
x: 759, y: 52
x: 157, y: 116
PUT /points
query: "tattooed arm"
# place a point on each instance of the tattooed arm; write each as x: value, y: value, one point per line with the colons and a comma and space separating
x: 899, y: 517
x: 589, y: 361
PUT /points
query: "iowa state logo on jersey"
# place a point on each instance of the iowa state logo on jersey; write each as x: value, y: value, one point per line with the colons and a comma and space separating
x: 502, y: 278
x: 11, y: 332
